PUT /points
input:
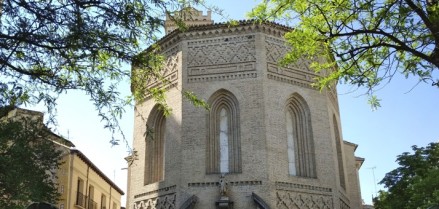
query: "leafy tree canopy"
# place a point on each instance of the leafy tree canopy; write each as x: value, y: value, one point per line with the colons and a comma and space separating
x: 415, y: 183
x: 369, y: 41
x: 28, y: 161
x: 52, y: 47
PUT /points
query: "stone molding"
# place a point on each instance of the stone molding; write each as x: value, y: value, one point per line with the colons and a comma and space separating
x: 190, y: 202
x: 259, y: 201
x: 287, y: 186
x: 231, y: 76
x: 231, y: 183
x: 221, y: 29
x: 343, y: 204
x: 164, y: 190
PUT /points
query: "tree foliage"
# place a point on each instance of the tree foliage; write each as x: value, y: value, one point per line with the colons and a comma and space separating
x: 52, y: 47
x: 28, y: 161
x: 415, y: 183
x: 369, y: 41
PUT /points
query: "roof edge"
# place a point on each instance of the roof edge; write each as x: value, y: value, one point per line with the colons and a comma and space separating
x: 96, y: 169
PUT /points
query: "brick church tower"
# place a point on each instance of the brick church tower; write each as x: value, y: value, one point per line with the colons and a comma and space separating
x: 269, y: 139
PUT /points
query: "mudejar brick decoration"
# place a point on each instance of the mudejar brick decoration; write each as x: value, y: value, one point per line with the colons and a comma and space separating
x: 269, y: 140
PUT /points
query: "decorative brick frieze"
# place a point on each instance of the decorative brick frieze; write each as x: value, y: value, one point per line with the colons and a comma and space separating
x: 161, y: 202
x: 294, y: 186
x: 232, y: 183
x: 222, y: 77
x: 294, y: 200
x: 222, y: 58
x: 298, y: 73
x: 169, y: 75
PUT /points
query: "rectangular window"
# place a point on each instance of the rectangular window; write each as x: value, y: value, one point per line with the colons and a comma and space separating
x: 80, y: 198
x: 103, y: 201
x: 91, y: 202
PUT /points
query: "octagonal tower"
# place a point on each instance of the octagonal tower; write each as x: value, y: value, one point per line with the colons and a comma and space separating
x: 269, y: 140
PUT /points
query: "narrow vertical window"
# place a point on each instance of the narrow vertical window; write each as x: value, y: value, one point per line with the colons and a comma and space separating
x: 154, y: 146
x: 223, y: 149
x: 300, y: 142
x: 80, y: 197
x: 339, y: 154
x: 290, y: 139
x: 91, y: 203
x: 103, y: 202
x: 224, y: 141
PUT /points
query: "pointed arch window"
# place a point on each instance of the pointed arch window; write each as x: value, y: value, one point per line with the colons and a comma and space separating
x: 339, y: 154
x: 300, y: 142
x: 155, y: 146
x: 223, y: 140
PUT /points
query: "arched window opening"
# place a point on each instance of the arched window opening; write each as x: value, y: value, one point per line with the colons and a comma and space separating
x: 154, y: 146
x: 339, y: 154
x: 300, y: 142
x: 223, y: 150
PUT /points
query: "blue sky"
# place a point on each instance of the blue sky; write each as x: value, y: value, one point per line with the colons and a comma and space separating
x: 407, y: 117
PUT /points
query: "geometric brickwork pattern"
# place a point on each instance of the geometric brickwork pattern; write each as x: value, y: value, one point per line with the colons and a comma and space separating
x: 161, y: 202
x: 293, y: 200
x: 344, y: 205
x: 168, y: 75
x: 298, y: 73
x: 221, y: 51
x: 232, y: 57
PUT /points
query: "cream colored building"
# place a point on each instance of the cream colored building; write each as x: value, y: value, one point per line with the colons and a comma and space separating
x: 83, y: 186
x: 269, y: 140
x: 80, y: 183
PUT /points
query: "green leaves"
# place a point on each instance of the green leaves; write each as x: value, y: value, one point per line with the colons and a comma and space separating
x: 51, y: 47
x: 195, y: 100
x: 27, y: 158
x: 374, y: 102
x: 370, y: 40
x: 414, y: 184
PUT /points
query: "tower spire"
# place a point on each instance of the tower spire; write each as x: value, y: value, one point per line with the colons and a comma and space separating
x: 187, y: 15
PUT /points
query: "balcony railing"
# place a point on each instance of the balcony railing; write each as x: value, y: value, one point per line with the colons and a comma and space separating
x: 80, y: 199
x: 92, y: 204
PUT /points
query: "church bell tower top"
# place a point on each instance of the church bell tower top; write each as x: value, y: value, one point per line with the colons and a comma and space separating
x: 189, y: 16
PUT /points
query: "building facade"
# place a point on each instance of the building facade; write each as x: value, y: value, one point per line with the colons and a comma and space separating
x: 268, y: 140
x: 81, y: 184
